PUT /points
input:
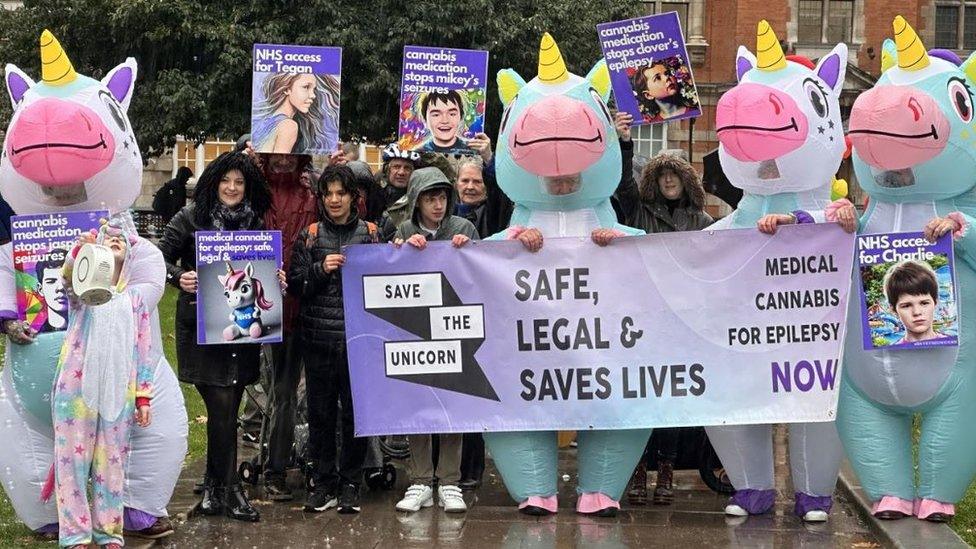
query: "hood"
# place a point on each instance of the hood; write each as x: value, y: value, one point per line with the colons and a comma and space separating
x: 647, y: 183
x: 426, y: 179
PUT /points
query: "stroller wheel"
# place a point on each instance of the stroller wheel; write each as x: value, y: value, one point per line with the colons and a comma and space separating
x: 389, y: 476
x: 375, y: 478
x: 248, y: 473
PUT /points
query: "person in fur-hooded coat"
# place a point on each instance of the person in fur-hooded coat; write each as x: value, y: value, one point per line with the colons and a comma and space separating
x: 668, y: 198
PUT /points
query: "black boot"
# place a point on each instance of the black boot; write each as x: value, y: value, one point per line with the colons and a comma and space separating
x: 212, y: 502
x: 236, y: 505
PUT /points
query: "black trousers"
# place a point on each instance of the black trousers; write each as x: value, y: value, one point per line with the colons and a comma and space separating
x: 284, y: 374
x: 472, y: 456
x: 328, y: 394
x: 222, y: 404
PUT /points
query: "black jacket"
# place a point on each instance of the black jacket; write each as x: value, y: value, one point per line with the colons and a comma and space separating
x: 221, y: 365
x: 321, y: 317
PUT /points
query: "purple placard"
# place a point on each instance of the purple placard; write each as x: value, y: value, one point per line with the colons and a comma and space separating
x: 238, y: 296
x: 907, y: 291
x: 295, y: 98
x: 40, y: 242
x: 649, y: 68
x: 456, y: 112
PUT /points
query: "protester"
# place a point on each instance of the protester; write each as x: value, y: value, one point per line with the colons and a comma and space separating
x: 669, y: 198
x: 315, y: 275
x: 95, y: 412
x: 398, y: 165
x: 480, y: 200
x: 293, y: 208
x: 350, y: 150
x: 371, y: 202
x: 171, y: 197
x: 231, y: 195
x: 431, y: 199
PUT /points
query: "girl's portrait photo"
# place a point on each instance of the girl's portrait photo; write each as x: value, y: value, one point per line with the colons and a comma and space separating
x: 295, y: 113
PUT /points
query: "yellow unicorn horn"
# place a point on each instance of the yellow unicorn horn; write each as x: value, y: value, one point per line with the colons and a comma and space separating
x: 911, y: 53
x: 769, y: 54
x: 56, y: 69
x: 552, y: 68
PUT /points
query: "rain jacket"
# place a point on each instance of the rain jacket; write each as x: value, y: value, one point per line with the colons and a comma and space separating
x: 426, y: 179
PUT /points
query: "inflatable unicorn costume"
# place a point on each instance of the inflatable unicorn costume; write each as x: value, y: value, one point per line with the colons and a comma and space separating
x: 70, y: 147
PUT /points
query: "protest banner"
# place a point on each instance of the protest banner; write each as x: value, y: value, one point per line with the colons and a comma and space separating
x: 442, y: 98
x: 907, y: 291
x: 238, y: 296
x: 666, y: 330
x: 40, y: 244
x: 650, y: 72
x: 295, y: 99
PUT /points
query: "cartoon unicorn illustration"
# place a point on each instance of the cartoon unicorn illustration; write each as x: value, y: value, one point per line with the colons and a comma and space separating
x: 559, y: 161
x: 915, y: 155
x: 70, y: 147
x: 245, y: 297
x: 781, y: 142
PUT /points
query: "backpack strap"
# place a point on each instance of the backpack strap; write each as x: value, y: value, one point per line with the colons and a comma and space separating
x: 313, y: 233
x: 374, y: 232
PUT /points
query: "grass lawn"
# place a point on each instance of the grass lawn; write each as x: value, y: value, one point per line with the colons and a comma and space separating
x: 14, y: 534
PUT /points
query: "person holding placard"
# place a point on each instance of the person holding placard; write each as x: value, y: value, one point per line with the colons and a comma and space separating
x: 231, y: 195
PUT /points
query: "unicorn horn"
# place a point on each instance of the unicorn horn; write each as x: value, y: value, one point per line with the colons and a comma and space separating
x: 56, y: 69
x: 911, y: 52
x: 552, y: 68
x: 230, y: 268
x: 769, y: 54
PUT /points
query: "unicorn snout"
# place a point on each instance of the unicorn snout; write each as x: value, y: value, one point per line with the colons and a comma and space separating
x: 756, y: 123
x: 58, y: 143
x: 557, y: 136
x: 897, y: 127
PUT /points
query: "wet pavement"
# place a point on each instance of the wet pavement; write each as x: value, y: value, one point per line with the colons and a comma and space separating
x: 695, y: 520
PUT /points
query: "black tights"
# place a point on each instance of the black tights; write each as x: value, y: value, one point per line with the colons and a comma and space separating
x: 222, y: 406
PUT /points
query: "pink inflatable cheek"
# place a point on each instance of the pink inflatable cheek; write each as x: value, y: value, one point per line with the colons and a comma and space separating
x: 896, y: 127
x: 557, y: 136
x: 756, y: 123
x: 57, y: 143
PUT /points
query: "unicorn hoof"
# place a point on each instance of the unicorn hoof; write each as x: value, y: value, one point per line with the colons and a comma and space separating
x: 935, y: 511
x: 538, y: 506
x: 230, y: 333
x: 255, y: 331
x: 734, y: 510
x: 892, y: 508
x: 815, y: 516
x: 597, y: 505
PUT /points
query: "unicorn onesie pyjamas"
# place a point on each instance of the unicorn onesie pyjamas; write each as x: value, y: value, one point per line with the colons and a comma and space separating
x: 781, y: 142
x: 103, y: 375
x: 559, y: 161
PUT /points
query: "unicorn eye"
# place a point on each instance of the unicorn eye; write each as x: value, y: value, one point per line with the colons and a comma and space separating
x: 508, y: 111
x: 603, y: 106
x: 962, y: 101
x: 817, y: 97
x: 245, y: 289
x: 113, y: 108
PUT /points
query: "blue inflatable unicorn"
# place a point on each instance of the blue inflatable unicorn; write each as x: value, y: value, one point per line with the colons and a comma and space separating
x: 781, y: 142
x: 558, y: 159
x: 914, y: 154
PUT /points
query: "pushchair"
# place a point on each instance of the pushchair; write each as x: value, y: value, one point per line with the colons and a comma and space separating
x: 378, y: 469
x: 695, y: 452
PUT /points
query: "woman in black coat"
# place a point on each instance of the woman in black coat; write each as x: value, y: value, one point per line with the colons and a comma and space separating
x: 231, y: 195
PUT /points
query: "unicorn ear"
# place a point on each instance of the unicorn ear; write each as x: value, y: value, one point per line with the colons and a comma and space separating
x: 599, y: 78
x: 889, y: 54
x: 509, y: 84
x: 17, y: 84
x: 969, y: 67
x: 832, y: 67
x: 222, y: 279
x: 121, y: 81
x: 248, y: 269
x: 744, y: 62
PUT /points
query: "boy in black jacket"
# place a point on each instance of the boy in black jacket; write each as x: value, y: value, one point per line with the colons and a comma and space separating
x: 316, y: 275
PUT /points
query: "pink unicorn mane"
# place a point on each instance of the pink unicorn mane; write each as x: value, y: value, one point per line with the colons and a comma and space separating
x: 234, y: 280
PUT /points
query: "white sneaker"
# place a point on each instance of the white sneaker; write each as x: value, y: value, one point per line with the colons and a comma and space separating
x: 417, y: 496
x: 815, y: 515
x: 449, y: 497
x: 735, y: 511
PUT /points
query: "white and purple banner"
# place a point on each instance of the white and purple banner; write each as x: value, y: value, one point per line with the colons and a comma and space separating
x: 694, y: 328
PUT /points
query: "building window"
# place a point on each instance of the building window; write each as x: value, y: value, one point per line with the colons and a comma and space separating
x: 650, y: 139
x: 955, y: 25
x: 657, y: 6
x: 824, y: 21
